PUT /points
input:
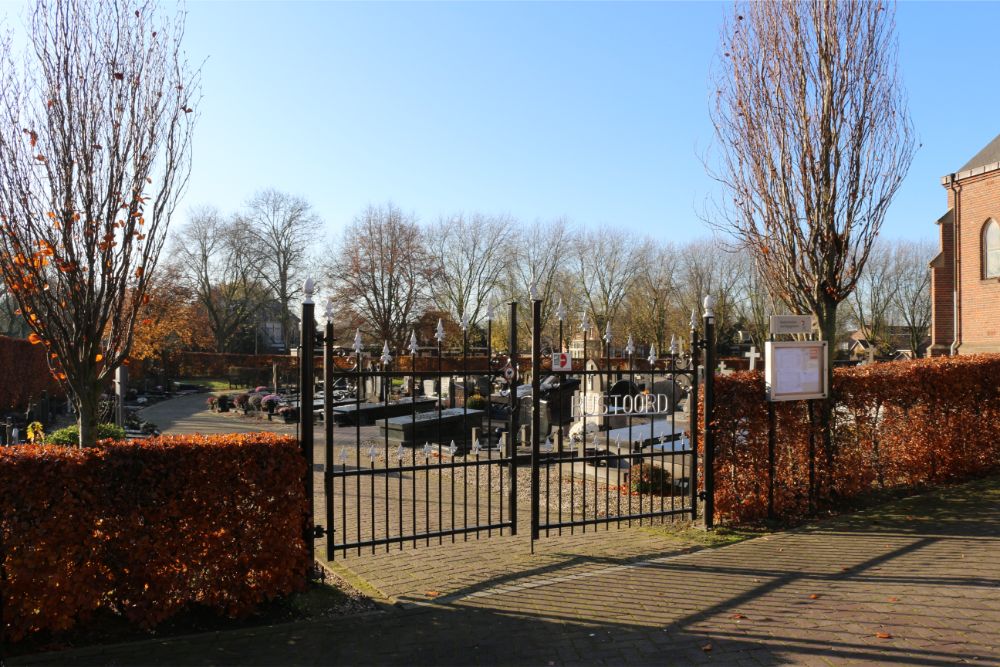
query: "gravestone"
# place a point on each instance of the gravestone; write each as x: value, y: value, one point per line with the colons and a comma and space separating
x: 672, y: 390
x: 753, y: 355
x: 453, y: 424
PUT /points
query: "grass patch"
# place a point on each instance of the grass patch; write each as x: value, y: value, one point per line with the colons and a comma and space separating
x: 689, y: 534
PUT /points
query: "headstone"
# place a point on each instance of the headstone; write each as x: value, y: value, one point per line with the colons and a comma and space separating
x: 753, y: 355
x: 671, y: 389
x: 430, y: 387
x: 870, y: 356
x: 504, y: 445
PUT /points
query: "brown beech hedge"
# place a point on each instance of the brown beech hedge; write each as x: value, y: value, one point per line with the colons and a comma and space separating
x: 905, y: 424
x: 146, y: 529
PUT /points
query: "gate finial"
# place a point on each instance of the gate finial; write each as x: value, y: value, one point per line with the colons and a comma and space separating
x: 357, y: 341
x: 386, y: 357
x: 652, y: 355
x: 439, y: 334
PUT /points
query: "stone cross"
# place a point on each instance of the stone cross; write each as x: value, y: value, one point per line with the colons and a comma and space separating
x: 753, y: 355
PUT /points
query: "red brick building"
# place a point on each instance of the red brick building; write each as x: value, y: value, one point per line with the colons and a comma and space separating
x: 965, y: 276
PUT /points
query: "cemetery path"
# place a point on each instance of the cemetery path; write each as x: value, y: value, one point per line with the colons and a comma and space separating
x: 912, y: 582
x: 190, y: 414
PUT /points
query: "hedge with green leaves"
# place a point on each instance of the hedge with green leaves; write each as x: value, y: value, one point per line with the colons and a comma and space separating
x: 149, y: 528
x: 906, y: 424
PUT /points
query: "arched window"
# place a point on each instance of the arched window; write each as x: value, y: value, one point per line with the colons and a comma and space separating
x: 991, y: 249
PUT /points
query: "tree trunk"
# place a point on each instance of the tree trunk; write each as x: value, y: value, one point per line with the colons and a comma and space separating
x: 88, y: 407
x: 828, y: 332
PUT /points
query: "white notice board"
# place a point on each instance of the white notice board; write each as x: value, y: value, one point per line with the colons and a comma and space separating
x: 795, y: 370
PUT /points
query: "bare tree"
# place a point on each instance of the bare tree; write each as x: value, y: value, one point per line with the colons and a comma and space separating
x: 912, y: 289
x: 383, y: 272
x: 755, y: 302
x: 219, y: 268
x: 815, y: 139
x: 873, y: 300
x: 706, y: 268
x: 648, y: 306
x: 472, y: 255
x: 280, y: 228
x: 541, y: 262
x: 99, y: 107
x: 607, y: 265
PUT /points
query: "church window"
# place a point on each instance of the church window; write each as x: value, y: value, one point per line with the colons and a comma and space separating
x: 991, y: 249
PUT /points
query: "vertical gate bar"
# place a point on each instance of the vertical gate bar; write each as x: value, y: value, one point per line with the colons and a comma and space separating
x: 465, y: 434
x: 413, y: 435
x: 327, y: 426
x: 562, y: 420
x: 618, y: 463
x: 536, y: 369
x: 388, y: 389
x: 673, y: 435
x: 607, y: 438
x: 583, y: 486
x: 512, y: 428
x: 306, y: 371
x: 357, y: 436
x: 489, y: 425
x: 709, y: 412
x: 440, y: 445
x: 693, y: 418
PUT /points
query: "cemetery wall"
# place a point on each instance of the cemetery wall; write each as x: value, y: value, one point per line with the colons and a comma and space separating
x: 907, y: 424
x: 148, y: 528
x: 27, y: 374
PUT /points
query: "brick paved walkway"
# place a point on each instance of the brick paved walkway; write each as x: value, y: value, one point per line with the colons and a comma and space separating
x: 916, y: 583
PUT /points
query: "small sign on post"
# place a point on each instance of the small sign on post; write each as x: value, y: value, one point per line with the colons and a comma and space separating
x: 562, y: 361
x: 791, y: 324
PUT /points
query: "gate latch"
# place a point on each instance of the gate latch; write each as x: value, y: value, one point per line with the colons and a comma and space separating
x: 318, y: 532
x: 702, y: 495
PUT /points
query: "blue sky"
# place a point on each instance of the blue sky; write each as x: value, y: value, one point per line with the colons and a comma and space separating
x: 593, y: 111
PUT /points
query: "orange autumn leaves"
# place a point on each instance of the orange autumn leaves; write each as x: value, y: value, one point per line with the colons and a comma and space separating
x: 889, y: 434
x: 145, y: 529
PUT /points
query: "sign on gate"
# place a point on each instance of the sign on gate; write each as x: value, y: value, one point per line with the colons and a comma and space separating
x: 562, y: 361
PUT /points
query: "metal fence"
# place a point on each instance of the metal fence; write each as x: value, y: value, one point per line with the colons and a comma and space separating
x: 427, y: 445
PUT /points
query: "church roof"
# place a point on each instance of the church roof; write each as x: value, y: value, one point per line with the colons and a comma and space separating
x: 988, y: 155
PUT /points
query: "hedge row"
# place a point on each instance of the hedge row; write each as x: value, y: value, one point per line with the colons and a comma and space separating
x: 145, y: 529
x: 902, y: 424
x: 28, y: 374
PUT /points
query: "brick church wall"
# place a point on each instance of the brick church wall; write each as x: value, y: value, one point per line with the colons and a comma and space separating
x: 979, y: 298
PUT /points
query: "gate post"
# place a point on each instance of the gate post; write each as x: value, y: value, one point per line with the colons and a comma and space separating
x: 307, y: 338
x: 512, y: 426
x: 328, y: 421
x: 693, y: 415
x: 536, y: 369
x: 709, y: 410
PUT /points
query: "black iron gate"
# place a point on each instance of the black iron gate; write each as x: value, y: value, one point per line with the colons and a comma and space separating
x: 422, y: 443
x: 629, y: 455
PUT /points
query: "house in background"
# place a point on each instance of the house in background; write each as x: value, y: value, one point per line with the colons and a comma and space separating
x: 965, y: 276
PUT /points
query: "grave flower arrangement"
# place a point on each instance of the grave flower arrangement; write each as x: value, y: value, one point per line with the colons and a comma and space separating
x: 288, y: 413
x: 242, y: 402
x: 270, y: 403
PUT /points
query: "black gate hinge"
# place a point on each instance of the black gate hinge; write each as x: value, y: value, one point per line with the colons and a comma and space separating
x: 702, y: 495
x: 318, y: 532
